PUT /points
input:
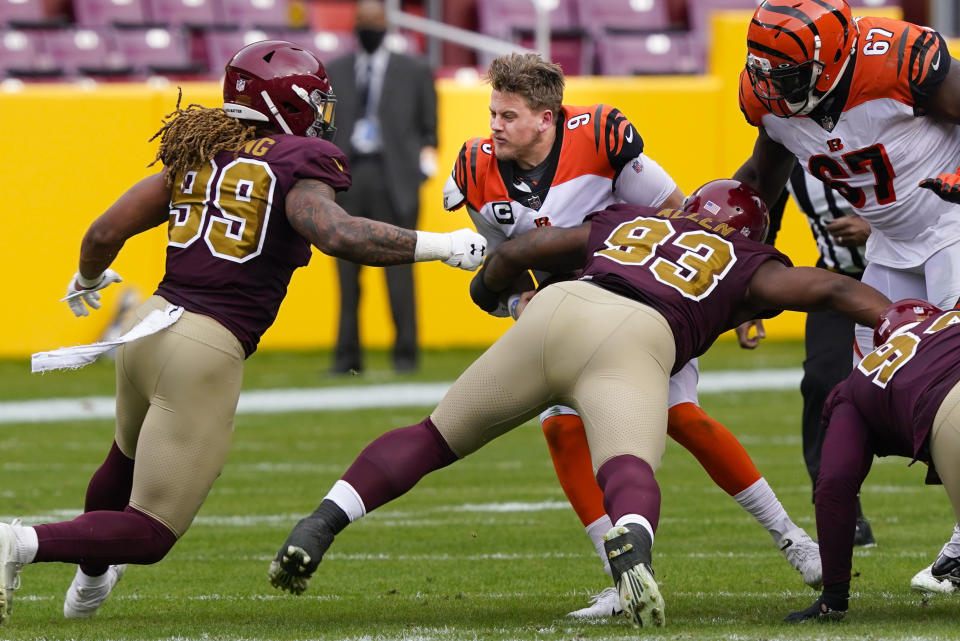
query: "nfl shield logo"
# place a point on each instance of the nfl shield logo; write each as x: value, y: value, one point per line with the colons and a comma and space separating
x: 241, y: 84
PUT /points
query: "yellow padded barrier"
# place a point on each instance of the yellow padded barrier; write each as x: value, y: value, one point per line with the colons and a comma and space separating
x: 67, y: 153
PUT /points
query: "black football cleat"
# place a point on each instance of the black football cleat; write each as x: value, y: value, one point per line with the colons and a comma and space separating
x: 818, y: 611
x: 946, y: 568
x: 305, y: 546
x: 863, y: 536
x: 628, y: 550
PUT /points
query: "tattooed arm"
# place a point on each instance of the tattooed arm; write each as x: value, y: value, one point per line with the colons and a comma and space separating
x: 315, y: 215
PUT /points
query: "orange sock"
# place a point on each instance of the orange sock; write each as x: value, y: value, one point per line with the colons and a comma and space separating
x: 717, y: 450
x: 570, y: 452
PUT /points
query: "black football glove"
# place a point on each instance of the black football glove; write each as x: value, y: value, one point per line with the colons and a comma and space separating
x: 947, y: 186
x: 485, y: 298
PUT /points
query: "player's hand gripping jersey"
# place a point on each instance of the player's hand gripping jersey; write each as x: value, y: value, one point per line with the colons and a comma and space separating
x: 597, y: 160
x: 870, y: 140
x: 231, y: 251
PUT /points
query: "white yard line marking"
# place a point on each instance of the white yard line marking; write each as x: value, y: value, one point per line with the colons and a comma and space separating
x: 354, y: 397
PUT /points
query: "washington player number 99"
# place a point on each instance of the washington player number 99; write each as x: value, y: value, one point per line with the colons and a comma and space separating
x: 236, y: 199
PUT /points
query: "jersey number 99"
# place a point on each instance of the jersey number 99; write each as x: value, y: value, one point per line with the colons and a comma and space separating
x: 228, y: 207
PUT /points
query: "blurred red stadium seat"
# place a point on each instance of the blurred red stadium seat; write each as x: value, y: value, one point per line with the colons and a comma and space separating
x: 257, y: 13
x: 647, y: 53
x: 22, y: 56
x: 80, y: 51
x: 158, y: 51
x: 189, y: 13
x: 597, y: 15
x: 337, y: 15
x: 101, y: 13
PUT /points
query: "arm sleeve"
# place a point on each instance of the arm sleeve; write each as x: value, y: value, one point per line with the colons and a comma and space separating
x: 776, y: 217
x: 644, y: 182
x: 929, y: 61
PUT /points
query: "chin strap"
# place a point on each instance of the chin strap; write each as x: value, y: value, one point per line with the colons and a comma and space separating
x: 276, y: 113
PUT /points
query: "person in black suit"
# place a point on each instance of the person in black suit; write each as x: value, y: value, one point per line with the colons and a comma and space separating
x: 387, y: 127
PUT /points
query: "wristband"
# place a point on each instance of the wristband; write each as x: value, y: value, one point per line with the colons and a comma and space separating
x: 512, y: 305
x: 88, y: 283
x: 484, y: 297
x: 431, y: 246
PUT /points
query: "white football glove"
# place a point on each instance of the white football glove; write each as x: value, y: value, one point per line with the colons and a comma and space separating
x: 467, y: 249
x: 79, y: 297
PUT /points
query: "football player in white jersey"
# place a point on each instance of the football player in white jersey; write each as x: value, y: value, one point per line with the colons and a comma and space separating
x: 871, y: 107
x: 547, y: 163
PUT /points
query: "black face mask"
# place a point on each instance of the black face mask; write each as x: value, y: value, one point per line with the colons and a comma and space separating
x: 370, y: 39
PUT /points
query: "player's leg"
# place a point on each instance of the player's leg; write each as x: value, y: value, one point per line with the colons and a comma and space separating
x: 567, y: 443
x: 621, y: 393
x: 896, y: 284
x: 502, y: 389
x: 110, y: 486
x: 726, y: 461
x: 828, y: 342
x: 191, y: 372
x: 943, y: 575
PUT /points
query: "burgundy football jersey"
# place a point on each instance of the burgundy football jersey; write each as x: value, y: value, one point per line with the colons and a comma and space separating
x: 898, y: 387
x: 231, y: 251
x: 885, y: 407
x: 690, y: 269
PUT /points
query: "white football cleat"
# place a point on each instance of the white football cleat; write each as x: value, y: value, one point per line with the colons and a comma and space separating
x: 604, y: 604
x: 9, y: 567
x: 924, y: 582
x: 803, y: 553
x: 87, y: 593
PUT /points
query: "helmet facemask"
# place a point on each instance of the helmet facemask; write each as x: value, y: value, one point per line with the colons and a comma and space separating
x: 323, y: 105
x: 790, y: 89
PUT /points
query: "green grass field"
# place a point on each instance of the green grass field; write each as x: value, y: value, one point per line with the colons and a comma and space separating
x: 486, y: 549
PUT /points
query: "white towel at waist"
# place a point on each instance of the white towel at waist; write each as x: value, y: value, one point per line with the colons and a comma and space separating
x: 81, y: 355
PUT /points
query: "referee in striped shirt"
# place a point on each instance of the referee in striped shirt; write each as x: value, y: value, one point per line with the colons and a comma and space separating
x: 840, y: 235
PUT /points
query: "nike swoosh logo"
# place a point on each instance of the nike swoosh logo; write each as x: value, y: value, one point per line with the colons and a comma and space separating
x: 787, y: 543
x: 936, y: 63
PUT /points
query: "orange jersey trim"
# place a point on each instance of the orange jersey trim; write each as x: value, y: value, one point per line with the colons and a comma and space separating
x: 597, y: 140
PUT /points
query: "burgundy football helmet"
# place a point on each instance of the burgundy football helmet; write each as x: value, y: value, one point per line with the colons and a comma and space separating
x: 733, y: 203
x: 908, y: 310
x: 279, y: 82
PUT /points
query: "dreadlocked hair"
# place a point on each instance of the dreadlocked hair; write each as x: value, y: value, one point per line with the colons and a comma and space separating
x: 191, y: 137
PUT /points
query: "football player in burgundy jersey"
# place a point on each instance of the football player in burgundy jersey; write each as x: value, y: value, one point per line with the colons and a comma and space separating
x: 902, y: 399
x: 547, y: 163
x: 658, y: 287
x: 245, y: 191
x: 870, y: 106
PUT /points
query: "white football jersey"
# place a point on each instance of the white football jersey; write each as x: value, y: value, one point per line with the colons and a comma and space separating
x: 871, y: 142
x: 596, y: 161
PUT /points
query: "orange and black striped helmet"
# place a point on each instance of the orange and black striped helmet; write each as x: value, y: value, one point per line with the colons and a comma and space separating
x: 797, y: 51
